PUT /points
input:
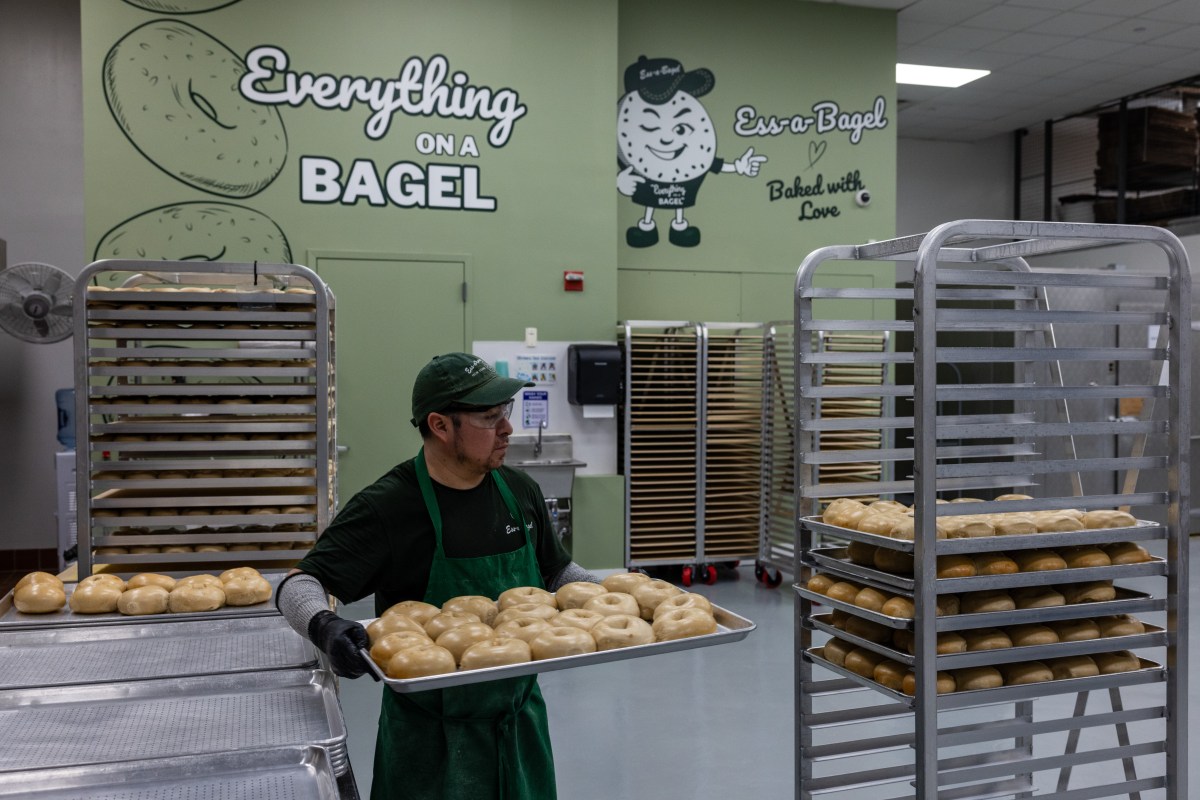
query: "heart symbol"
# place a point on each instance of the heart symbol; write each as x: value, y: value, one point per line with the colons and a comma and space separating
x: 815, y: 151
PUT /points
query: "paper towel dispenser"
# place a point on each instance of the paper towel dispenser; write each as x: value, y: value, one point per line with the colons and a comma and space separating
x: 595, y: 374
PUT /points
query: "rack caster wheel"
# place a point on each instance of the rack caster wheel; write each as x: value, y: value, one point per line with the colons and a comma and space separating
x: 686, y: 577
x: 766, y: 579
x: 710, y: 575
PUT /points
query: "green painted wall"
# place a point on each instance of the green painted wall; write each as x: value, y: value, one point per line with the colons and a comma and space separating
x: 184, y: 161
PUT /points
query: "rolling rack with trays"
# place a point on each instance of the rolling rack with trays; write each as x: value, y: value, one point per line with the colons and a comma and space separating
x: 691, y: 444
x: 205, y: 412
x: 777, y: 526
x: 857, y: 737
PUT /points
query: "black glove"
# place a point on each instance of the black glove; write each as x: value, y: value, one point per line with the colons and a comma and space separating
x: 341, y: 640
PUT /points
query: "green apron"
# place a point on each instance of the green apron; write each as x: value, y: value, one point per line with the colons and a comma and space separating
x: 482, y: 741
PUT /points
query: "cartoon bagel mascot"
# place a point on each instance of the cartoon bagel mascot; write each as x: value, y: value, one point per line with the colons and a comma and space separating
x: 667, y: 146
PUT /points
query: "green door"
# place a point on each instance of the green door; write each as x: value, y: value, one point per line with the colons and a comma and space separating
x: 392, y: 314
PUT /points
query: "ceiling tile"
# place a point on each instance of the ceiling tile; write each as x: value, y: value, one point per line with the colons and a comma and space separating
x: 1088, y: 49
x: 965, y: 38
x: 946, y: 11
x: 1008, y: 18
x: 1077, y: 24
x: 1030, y: 43
x: 1143, y: 56
x: 1187, y: 37
x: 1121, y: 8
x: 912, y: 30
x: 1179, y: 11
x: 1135, y: 30
x: 1042, y: 65
x: 1057, y: 5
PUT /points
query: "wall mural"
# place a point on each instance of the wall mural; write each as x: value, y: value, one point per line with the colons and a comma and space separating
x: 173, y: 91
x: 667, y: 146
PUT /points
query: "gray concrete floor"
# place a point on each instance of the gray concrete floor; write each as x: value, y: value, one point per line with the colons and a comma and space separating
x: 708, y: 723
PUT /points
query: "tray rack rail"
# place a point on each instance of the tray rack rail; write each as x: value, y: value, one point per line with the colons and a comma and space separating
x: 732, y: 395
x: 662, y: 453
x: 856, y: 738
x: 205, y: 412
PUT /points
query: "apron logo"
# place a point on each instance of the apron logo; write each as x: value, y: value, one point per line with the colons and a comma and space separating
x: 510, y: 529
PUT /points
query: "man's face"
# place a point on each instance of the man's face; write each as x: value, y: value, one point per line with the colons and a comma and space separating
x: 669, y: 143
x: 480, y: 439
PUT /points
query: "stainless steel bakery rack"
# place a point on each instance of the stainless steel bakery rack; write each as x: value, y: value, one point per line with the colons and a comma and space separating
x: 970, y: 295
x: 691, y: 437
x: 205, y: 412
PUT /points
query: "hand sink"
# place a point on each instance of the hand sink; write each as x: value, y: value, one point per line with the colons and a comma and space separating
x: 553, y: 466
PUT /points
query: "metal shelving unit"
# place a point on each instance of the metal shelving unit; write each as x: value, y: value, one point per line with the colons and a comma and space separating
x: 205, y: 402
x: 857, y: 738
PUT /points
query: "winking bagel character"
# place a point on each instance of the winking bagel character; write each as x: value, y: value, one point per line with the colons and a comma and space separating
x: 667, y: 146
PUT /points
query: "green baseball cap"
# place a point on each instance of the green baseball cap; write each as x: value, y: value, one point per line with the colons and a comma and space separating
x: 460, y: 379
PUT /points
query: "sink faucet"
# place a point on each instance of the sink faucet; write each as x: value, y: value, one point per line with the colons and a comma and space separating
x: 537, y: 448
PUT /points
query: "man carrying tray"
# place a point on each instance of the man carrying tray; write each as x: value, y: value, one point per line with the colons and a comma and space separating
x: 451, y: 521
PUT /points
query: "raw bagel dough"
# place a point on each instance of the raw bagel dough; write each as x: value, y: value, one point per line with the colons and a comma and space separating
x: 38, y: 577
x: 480, y: 606
x: 1120, y: 625
x: 622, y: 631
x: 420, y: 661
x: 844, y: 591
x: 1073, y: 667
x: 394, y: 623
x: 576, y: 593
x: 1075, y: 630
x: 994, y: 564
x: 523, y: 628
x: 683, y: 623
x: 1014, y: 525
x: 900, y: 607
x: 94, y: 598
x: 1108, y: 519
x: 383, y: 650
x: 862, y: 662
x: 560, y: 642
x: 247, y: 591
x: 861, y: 553
x: 1025, y: 672
x: 624, y: 581
x: 578, y: 618
x: 955, y: 566
x: 194, y: 597
x: 893, y: 561
x: 421, y: 611
x: 1120, y: 661
x: 146, y: 600
x: 1039, y: 560
x: 870, y: 598
x: 1126, y: 553
x: 239, y: 572
x: 151, y: 578
x: 1090, y: 592
x: 683, y: 600
x: 987, y: 639
x: 945, y: 683
x: 173, y: 89
x: 835, y: 652
x: 614, y: 603
x: 649, y: 595
x: 460, y: 637
x: 1057, y: 523
x: 114, y: 581
x: 443, y: 622
x: 970, y: 678
x: 1085, y: 557
x: 1031, y: 634
x: 204, y: 580
x: 987, y: 601
x: 525, y: 594
x: 539, y: 610
x: 39, y: 598
x: 1037, y: 597
x: 889, y: 674
x: 867, y: 629
x: 496, y: 652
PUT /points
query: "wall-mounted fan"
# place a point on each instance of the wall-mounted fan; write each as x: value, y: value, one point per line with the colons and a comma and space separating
x: 35, y: 302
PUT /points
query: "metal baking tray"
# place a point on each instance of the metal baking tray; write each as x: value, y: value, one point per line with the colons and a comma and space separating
x: 295, y: 773
x: 730, y: 628
x: 104, y: 654
x: 11, y: 619
x: 1143, y: 531
x: 1128, y: 601
x: 1149, y: 672
x: 114, y: 722
x: 834, y: 559
x: 1153, y: 637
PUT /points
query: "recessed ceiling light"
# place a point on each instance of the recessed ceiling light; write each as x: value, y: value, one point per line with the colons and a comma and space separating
x: 951, y: 77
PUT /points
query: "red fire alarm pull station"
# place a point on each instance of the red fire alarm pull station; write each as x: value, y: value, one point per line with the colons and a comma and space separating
x: 573, y: 280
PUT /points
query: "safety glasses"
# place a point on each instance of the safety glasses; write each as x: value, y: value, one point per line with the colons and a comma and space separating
x: 487, y: 418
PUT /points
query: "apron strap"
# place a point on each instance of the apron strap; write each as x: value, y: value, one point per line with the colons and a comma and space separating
x: 435, y: 514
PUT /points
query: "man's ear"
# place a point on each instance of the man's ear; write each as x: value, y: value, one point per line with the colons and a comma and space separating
x: 441, y: 425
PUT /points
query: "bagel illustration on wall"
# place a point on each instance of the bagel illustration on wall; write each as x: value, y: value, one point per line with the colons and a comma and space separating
x: 173, y: 90
x: 667, y: 145
x: 198, y: 231
x: 181, y: 6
